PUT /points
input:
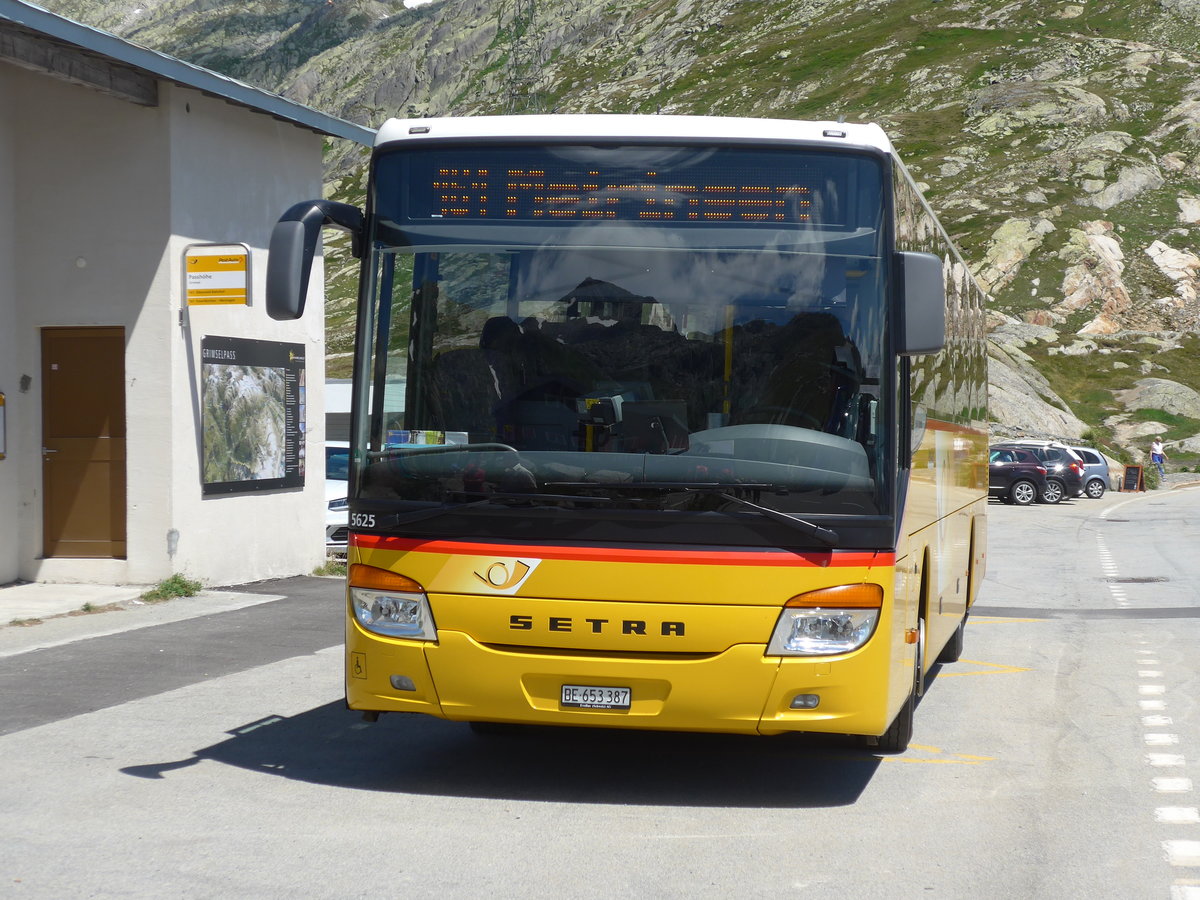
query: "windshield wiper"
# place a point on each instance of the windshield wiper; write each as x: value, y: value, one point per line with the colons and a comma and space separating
x: 826, y: 536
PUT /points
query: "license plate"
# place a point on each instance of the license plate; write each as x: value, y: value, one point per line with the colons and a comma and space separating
x: 582, y: 696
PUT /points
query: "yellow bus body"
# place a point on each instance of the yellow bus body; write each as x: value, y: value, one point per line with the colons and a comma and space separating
x: 685, y: 630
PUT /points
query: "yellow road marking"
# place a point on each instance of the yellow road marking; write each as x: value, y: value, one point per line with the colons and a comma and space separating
x: 952, y: 759
x: 993, y: 669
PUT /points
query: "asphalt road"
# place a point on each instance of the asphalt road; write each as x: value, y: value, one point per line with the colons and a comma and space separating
x: 213, y: 757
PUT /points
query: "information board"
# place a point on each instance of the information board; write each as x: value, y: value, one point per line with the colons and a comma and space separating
x: 253, y: 415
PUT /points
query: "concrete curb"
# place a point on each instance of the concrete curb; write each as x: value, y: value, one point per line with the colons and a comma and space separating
x: 22, y: 602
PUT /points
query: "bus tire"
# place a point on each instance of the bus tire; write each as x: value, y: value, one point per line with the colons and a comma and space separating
x: 900, y: 732
x: 952, y: 652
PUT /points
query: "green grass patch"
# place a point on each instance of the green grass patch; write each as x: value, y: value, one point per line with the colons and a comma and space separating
x: 170, y: 588
x: 1176, y: 427
x: 332, y: 566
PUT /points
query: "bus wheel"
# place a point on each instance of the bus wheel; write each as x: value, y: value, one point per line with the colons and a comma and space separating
x: 900, y: 732
x: 954, y: 647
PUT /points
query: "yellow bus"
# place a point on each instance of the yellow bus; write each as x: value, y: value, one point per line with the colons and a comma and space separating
x: 659, y: 422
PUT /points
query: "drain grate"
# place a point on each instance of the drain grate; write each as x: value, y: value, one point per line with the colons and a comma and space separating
x: 1149, y: 579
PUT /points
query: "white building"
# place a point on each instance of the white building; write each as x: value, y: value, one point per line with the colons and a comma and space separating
x: 116, y: 162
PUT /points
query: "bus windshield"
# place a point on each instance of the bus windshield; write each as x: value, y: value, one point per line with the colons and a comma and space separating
x: 592, y: 340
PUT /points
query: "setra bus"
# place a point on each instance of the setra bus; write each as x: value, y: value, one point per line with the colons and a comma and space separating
x: 659, y: 422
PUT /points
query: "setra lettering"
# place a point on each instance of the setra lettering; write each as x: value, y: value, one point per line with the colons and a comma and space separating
x: 598, y: 626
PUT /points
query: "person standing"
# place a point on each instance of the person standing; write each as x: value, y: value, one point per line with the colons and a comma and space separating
x: 1157, y: 456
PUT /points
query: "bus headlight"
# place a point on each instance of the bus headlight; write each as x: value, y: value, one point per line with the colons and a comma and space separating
x: 828, y: 621
x: 390, y: 604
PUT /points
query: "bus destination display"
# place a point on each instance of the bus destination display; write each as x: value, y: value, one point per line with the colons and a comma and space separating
x: 703, y: 194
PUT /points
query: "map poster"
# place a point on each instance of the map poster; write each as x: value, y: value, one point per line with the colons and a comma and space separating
x: 253, y: 415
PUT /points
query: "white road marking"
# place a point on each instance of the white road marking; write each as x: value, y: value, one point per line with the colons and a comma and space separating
x: 1177, y: 815
x: 1161, y: 740
x: 1149, y: 705
x: 1172, y: 785
x: 1165, y: 760
x: 1182, y: 853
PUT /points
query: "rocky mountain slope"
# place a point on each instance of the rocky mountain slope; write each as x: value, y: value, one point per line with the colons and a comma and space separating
x: 1059, y: 141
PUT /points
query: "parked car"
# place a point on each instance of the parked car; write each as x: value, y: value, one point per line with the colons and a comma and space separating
x: 1095, y: 472
x: 1064, y: 467
x: 1015, y: 476
x: 337, y: 510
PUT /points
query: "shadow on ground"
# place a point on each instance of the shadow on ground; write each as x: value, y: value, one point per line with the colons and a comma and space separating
x: 420, y: 755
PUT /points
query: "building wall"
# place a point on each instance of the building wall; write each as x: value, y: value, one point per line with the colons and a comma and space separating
x: 16, y: 408
x: 227, y: 191
x: 98, y: 199
x: 90, y: 229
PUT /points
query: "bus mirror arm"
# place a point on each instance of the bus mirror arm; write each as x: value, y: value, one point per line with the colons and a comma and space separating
x: 923, y: 304
x: 294, y: 245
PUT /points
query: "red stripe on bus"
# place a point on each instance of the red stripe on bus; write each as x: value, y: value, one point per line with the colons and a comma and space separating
x: 823, y: 559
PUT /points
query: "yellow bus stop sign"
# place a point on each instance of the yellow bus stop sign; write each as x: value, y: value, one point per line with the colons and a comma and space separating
x: 217, y: 278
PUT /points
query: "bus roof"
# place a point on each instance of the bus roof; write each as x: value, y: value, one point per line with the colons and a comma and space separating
x: 838, y: 134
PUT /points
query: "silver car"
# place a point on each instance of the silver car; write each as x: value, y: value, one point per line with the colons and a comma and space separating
x: 337, y: 511
x: 1095, y: 472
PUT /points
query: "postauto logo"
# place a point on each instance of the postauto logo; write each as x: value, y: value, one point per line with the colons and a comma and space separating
x: 506, y: 576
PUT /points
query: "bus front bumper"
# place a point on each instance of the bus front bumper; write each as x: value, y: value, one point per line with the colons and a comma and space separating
x: 736, y: 691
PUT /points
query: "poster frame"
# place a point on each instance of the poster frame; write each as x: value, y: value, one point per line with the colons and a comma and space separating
x: 252, y: 353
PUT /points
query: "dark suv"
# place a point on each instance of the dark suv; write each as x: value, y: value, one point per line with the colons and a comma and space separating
x: 1015, y: 475
x: 1064, y: 467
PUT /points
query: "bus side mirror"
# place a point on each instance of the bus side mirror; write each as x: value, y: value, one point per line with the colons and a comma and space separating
x: 923, y: 304
x: 293, y: 246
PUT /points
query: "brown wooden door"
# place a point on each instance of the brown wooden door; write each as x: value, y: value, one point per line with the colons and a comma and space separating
x: 83, y: 442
